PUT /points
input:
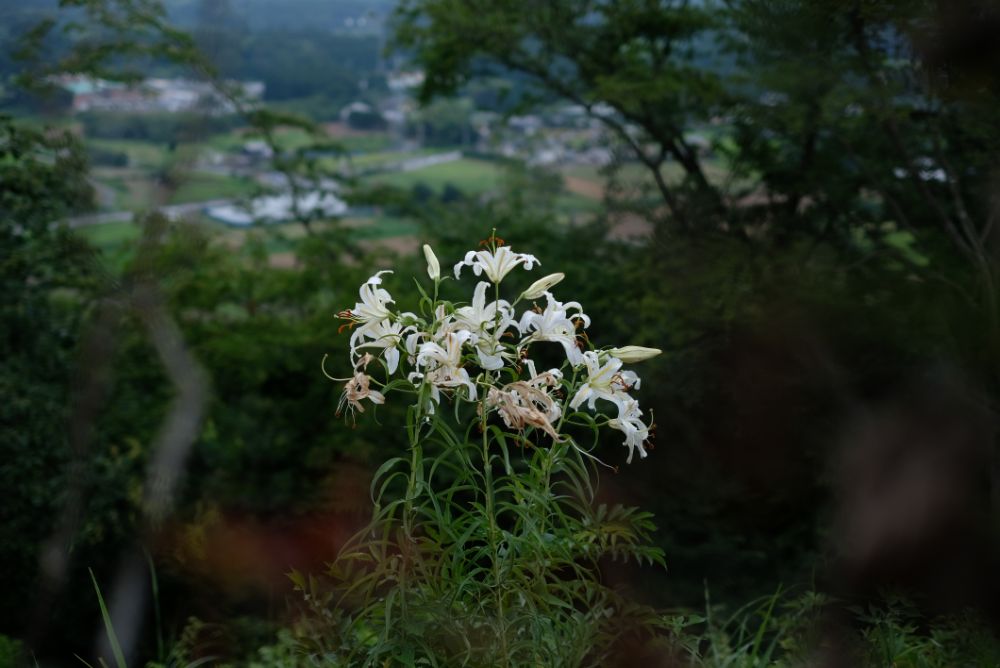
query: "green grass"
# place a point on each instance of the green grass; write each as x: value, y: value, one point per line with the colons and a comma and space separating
x: 573, y: 203
x: 366, y: 143
x: 628, y: 172
x: 137, y: 191
x: 380, y: 158
x: 135, y: 188
x: 140, y: 154
x: 199, y: 187
x: 114, y: 241
x: 109, y: 236
x: 469, y: 176
x: 227, y: 141
x: 292, y: 138
x: 386, y: 227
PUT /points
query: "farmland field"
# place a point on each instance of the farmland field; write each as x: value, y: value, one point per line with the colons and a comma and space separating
x: 468, y: 175
x: 199, y: 187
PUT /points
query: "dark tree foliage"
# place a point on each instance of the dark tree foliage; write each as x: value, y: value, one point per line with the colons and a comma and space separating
x: 841, y: 116
x: 47, y: 277
x: 851, y: 245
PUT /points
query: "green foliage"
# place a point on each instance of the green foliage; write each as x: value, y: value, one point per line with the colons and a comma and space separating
x: 830, y: 116
x: 284, y: 653
x: 11, y: 652
x: 486, y: 542
x: 782, y: 631
x: 638, y: 59
x: 434, y: 595
x: 47, y: 278
x: 896, y: 633
x: 443, y: 123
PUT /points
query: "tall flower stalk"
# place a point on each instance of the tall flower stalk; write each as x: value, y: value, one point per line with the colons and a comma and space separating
x: 484, y: 544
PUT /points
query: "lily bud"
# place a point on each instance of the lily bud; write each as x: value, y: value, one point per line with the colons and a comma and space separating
x: 542, y: 285
x: 630, y: 354
x: 433, y: 268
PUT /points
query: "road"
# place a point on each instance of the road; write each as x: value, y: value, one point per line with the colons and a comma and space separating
x: 173, y: 212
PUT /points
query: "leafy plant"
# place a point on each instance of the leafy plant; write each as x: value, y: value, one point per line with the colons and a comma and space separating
x: 485, y: 543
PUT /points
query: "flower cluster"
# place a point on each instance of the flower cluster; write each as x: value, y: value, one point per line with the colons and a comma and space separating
x: 482, y: 352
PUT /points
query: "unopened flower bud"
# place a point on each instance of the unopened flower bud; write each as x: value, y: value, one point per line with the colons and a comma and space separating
x: 542, y: 285
x: 433, y: 268
x: 630, y: 354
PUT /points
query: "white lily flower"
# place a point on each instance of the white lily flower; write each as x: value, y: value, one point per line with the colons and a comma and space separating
x: 632, y: 354
x: 495, y: 264
x: 487, y: 322
x: 375, y: 319
x: 479, y: 317
x: 437, y: 349
x: 374, y: 300
x: 542, y: 285
x: 372, y: 308
x: 383, y: 334
x: 629, y: 422
x: 554, y: 324
x: 433, y: 267
x: 605, y: 381
x: 412, y: 341
x: 443, y: 363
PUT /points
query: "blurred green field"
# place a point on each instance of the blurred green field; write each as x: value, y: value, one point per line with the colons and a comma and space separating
x: 114, y: 239
x: 382, y: 158
x: 141, y: 154
x: 366, y: 143
x: 293, y: 138
x: 386, y: 227
x: 468, y: 175
x: 200, y: 187
x: 635, y: 174
x: 136, y: 190
x: 109, y: 236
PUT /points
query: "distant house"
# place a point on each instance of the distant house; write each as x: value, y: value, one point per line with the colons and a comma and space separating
x: 596, y: 155
x: 151, y: 95
x: 277, y: 209
x: 546, y: 156
x: 356, y: 107
x: 362, y: 116
x: 88, y: 93
x: 529, y: 124
x: 257, y: 148
x: 403, y: 81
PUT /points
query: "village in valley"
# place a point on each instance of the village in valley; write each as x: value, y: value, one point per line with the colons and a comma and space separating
x: 182, y: 146
x: 230, y: 179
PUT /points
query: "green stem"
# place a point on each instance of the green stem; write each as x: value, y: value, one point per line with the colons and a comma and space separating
x: 494, y: 545
x: 415, y: 460
x: 411, y: 485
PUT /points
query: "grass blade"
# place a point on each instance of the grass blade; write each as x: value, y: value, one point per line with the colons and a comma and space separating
x: 112, y: 638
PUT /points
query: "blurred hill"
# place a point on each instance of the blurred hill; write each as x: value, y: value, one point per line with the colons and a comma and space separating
x: 362, y: 16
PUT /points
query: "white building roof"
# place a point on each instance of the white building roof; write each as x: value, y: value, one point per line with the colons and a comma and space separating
x: 276, y: 209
